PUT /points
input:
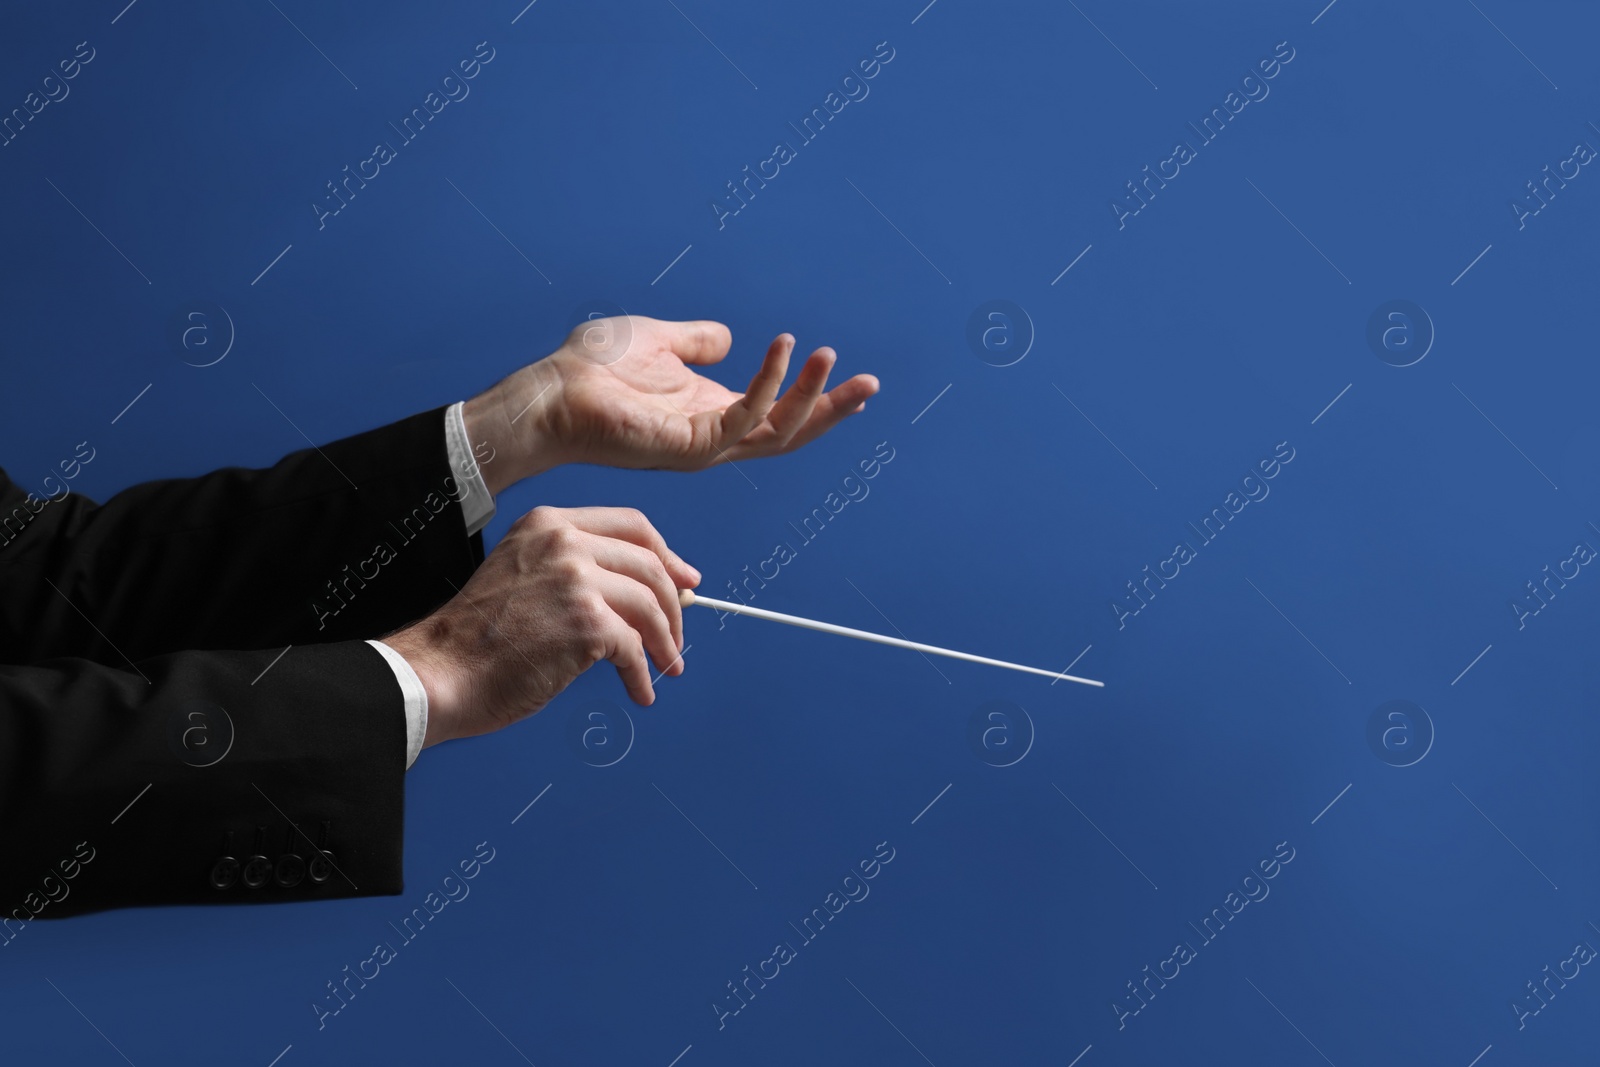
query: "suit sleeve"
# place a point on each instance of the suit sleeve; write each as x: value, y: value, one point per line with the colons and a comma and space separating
x: 352, y: 539
x: 196, y: 777
x: 188, y: 713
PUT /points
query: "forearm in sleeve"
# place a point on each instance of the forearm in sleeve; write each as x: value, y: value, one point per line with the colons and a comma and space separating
x: 200, y: 777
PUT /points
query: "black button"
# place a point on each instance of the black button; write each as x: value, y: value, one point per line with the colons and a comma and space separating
x: 320, y: 869
x: 224, y: 872
x: 257, y: 871
x: 291, y: 870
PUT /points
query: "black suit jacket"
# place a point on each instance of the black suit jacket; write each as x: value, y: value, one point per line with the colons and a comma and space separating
x: 157, y: 744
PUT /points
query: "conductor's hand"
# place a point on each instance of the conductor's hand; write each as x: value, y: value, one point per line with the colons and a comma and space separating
x: 623, y: 392
x: 564, y: 589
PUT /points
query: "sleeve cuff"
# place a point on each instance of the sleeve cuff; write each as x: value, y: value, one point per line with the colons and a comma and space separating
x: 416, y: 699
x: 477, y: 503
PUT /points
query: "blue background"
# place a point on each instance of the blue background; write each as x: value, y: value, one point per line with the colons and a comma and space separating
x: 1197, y: 337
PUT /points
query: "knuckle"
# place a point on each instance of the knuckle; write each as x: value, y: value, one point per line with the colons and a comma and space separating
x: 569, y: 571
x: 592, y: 638
x: 655, y: 631
x: 540, y: 522
x: 561, y: 538
x: 589, y: 615
x: 658, y: 570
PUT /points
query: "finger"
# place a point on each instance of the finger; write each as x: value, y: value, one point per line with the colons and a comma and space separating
x: 746, y: 413
x: 843, y: 400
x: 638, y: 607
x: 701, y: 341
x: 792, y: 410
x: 626, y: 652
x: 627, y: 524
x: 644, y: 567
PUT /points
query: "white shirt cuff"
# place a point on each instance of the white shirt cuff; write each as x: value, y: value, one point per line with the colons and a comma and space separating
x: 416, y: 699
x: 477, y: 503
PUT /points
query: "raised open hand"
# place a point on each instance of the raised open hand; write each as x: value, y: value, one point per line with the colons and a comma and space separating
x: 623, y: 392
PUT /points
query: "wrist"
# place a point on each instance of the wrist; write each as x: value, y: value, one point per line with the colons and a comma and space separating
x: 418, y: 645
x: 508, y: 419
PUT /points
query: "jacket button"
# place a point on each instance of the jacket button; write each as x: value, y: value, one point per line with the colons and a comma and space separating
x: 320, y: 869
x: 257, y: 868
x: 290, y: 871
x: 224, y: 872
x: 256, y: 872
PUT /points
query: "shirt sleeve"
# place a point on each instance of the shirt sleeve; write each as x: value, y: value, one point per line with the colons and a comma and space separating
x: 416, y: 699
x: 477, y: 508
x: 477, y: 503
